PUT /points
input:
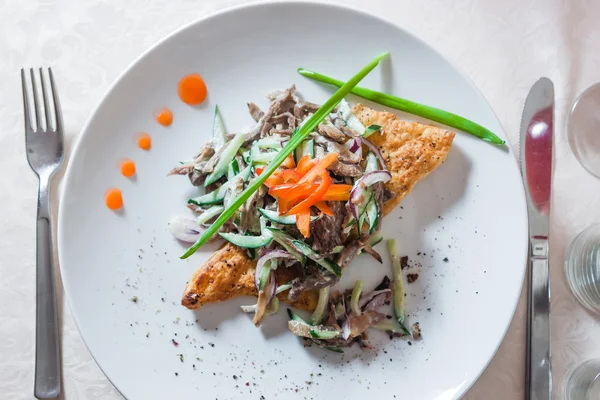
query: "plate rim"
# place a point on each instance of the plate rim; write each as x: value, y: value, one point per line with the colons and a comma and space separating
x: 262, y: 4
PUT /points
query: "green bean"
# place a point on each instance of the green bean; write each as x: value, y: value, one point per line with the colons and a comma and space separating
x: 294, y: 142
x: 398, y: 103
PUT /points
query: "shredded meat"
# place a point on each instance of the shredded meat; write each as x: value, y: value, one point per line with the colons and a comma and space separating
x: 317, y: 280
x: 302, y: 109
x: 327, y: 230
x: 345, y: 155
x: 255, y: 111
x: 350, y: 251
x: 341, y: 169
x: 332, y: 132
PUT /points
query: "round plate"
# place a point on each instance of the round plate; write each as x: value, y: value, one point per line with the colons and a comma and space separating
x: 463, y: 227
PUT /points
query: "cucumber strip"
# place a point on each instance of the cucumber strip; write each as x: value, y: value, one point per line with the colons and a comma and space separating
x: 283, y: 288
x: 218, y: 133
x: 233, y: 169
x: 356, y: 292
x: 210, y: 213
x: 271, y: 309
x: 375, y: 239
x: 217, y: 196
x: 227, y: 155
x: 285, y: 241
x: 372, y: 213
x: 273, y: 306
x: 248, y: 242
x: 264, y: 275
x: 398, y: 286
x: 269, y: 142
x: 263, y: 158
x: 295, y: 317
x: 274, y: 216
x: 322, y: 334
x: 372, y: 163
x: 371, y: 129
x: 391, y: 325
x: 230, y: 171
x: 361, y: 221
x: 321, y: 308
x: 263, y: 227
x: 348, y: 116
x: 300, y: 327
x: 316, y: 257
x: 208, y: 199
x: 246, y: 155
x: 306, y: 148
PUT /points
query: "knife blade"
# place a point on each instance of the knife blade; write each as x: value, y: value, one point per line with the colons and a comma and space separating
x: 537, y: 131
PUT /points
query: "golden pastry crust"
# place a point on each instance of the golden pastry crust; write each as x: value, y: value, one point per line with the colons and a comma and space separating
x: 411, y: 151
x: 229, y: 273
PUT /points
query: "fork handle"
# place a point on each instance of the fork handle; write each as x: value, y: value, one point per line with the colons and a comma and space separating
x: 47, y: 357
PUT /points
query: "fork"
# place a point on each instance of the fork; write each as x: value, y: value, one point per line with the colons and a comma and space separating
x: 44, y: 145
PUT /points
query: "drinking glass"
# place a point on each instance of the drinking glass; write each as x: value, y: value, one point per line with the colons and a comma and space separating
x: 583, y: 381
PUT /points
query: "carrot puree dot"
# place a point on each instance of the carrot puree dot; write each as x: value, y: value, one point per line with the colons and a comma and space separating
x: 164, y: 117
x: 192, y: 89
x: 114, y: 199
x: 144, y: 141
x: 128, y: 168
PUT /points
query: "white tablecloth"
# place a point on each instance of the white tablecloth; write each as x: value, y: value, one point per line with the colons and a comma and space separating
x: 503, y: 46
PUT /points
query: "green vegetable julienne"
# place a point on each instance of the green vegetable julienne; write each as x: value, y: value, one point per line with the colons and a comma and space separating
x: 302, y: 133
x: 398, y: 284
x: 398, y: 103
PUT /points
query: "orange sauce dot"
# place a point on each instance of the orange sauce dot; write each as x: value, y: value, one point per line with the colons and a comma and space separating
x: 192, y: 89
x: 113, y: 199
x: 128, y: 168
x: 144, y: 142
x: 164, y: 117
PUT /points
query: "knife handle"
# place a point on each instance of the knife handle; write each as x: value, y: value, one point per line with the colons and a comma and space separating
x: 539, y: 367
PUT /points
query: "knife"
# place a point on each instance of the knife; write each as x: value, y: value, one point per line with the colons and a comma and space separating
x: 537, y: 128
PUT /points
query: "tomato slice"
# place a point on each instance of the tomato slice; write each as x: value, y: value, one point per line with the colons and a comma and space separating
x: 324, y: 208
x: 290, y: 175
x: 319, y: 168
x: 315, y: 196
x: 305, y: 164
x: 339, y: 188
x: 275, y: 179
x: 336, y: 197
x: 289, y: 162
x: 303, y: 222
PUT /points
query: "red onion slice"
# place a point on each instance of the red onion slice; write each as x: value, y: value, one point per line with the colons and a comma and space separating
x: 354, y: 144
x: 272, y: 286
x: 269, y: 255
x: 185, y: 228
x: 377, y: 153
x: 357, y: 195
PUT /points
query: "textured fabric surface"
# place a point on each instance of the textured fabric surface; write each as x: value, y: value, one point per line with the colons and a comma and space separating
x: 503, y: 46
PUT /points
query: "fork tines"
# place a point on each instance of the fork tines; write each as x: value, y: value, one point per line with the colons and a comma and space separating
x: 50, y: 112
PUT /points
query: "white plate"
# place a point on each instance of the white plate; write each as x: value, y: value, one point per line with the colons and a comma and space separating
x: 471, y: 210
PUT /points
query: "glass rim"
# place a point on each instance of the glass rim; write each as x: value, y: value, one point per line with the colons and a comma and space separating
x: 570, y: 134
